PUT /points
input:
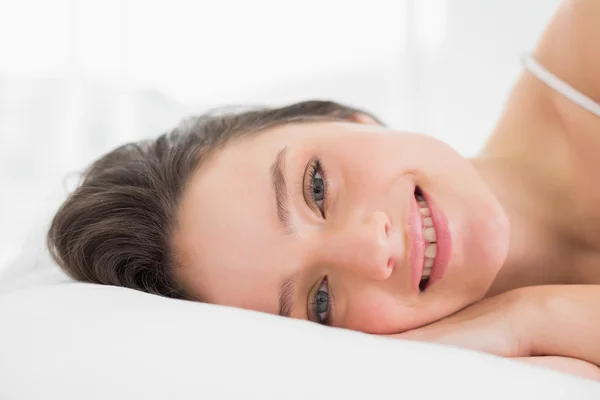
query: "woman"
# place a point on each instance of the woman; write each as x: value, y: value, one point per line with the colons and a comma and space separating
x: 317, y: 211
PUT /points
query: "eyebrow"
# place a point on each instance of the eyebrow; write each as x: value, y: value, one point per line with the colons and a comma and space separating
x: 282, y: 200
x: 286, y: 295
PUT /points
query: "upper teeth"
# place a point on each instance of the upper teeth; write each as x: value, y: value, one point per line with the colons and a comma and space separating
x: 429, y: 235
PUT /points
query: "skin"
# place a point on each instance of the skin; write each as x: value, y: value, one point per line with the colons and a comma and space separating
x: 365, y: 224
x: 524, y: 213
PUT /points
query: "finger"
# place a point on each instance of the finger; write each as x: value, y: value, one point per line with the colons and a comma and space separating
x: 453, y: 337
x: 492, y: 341
x: 565, y: 364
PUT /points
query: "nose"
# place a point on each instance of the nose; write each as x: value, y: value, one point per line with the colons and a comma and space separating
x: 367, y: 247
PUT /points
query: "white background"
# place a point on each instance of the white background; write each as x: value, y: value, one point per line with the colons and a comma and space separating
x: 79, y: 77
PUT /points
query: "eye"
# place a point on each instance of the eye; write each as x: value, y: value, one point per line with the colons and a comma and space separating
x: 321, y: 303
x: 316, y: 185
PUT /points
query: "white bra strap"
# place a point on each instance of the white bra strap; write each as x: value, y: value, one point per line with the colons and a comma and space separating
x: 560, y: 86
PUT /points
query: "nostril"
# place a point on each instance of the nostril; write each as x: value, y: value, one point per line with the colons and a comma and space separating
x: 387, y: 229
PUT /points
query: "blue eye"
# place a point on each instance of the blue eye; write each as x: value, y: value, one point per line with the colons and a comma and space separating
x: 321, y: 306
x: 316, y: 185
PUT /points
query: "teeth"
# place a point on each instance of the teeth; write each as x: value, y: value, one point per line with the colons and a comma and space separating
x: 426, y: 273
x: 429, y: 234
x: 431, y: 250
x: 427, y: 267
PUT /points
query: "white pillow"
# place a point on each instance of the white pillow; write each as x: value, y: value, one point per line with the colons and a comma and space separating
x: 65, y: 340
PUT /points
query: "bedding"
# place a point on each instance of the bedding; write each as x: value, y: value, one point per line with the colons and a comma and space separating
x: 62, y: 339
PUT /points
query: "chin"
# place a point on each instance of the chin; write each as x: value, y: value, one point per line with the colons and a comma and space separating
x: 484, y: 248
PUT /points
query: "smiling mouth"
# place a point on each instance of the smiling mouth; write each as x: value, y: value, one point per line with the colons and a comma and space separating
x: 429, y: 238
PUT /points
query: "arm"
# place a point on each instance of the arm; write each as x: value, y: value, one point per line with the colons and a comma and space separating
x: 561, y: 321
x: 565, y: 321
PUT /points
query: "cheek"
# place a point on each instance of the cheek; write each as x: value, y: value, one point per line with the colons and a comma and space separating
x: 369, y: 165
x: 391, y: 155
x: 374, y: 310
x: 479, y: 226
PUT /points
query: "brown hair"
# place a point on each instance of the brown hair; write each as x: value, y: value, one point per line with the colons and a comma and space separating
x: 116, y: 227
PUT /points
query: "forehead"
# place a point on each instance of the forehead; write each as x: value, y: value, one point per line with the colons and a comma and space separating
x: 229, y: 240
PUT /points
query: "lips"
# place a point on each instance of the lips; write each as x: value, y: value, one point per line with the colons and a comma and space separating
x: 428, y: 258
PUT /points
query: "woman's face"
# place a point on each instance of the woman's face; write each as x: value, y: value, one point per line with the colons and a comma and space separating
x: 325, y: 221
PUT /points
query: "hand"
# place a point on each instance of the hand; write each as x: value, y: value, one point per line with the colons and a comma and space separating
x: 558, y: 323
x: 569, y: 365
x: 497, y: 325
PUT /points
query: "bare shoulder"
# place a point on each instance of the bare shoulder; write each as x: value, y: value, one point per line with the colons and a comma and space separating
x: 536, y: 116
x: 555, y: 142
x: 570, y: 49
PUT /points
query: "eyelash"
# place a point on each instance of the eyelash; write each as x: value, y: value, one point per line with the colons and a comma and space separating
x: 314, y: 167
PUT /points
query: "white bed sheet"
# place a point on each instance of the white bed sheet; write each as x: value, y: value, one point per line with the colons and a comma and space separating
x: 65, y: 340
